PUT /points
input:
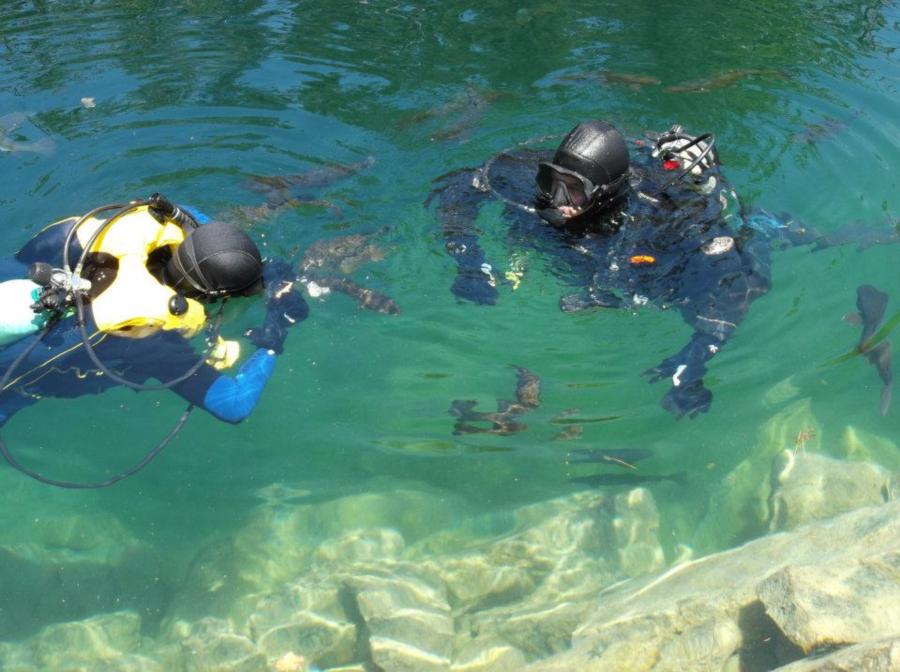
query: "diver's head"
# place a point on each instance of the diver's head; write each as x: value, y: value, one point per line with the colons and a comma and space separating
x: 588, y: 169
x: 213, y: 261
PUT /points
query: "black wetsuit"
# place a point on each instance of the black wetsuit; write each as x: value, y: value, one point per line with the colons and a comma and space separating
x: 687, y: 246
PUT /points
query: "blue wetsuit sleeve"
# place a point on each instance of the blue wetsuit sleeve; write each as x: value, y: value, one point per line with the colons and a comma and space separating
x: 233, y: 399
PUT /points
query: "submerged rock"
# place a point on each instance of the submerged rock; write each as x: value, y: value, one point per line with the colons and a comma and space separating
x: 326, y: 642
x: 835, y: 605
x: 738, y: 610
x: 815, y: 487
x: 213, y: 645
x: 740, y: 508
x: 876, y: 656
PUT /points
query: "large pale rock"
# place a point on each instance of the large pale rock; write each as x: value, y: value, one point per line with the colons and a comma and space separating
x: 513, y: 568
x: 487, y: 654
x: 323, y: 642
x: 279, y: 544
x: 389, y: 654
x: 841, y: 604
x: 636, y: 526
x: 105, y: 642
x: 532, y: 589
x: 881, y: 655
x: 213, y: 646
x: 740, y: 508
x: 405, y: 610
x: 361, y: 546
x: 712, y: 604
x: 314, y: 593
x: 860, y: 445
x: 100, y: 638
x: 812, y: 487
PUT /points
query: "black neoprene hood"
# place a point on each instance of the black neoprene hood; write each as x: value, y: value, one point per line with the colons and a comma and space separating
x: 216, y: 259
x: 596, y: 150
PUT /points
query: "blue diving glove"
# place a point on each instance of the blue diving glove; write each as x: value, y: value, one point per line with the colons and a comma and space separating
x: 285, y: 307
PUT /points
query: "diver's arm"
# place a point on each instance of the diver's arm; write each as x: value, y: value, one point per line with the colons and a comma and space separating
x: 233, y: 399
x: 718, y: 290
x: 785, y: 231
x: 458, y: 203
x: 285, y: 307
x: 229, y: 398
x: 686, y: 369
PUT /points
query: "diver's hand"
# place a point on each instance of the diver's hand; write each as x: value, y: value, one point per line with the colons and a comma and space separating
x: 285, y: 307
x: 475, y: 285
x: 277, y: 275
x: 281, y: 315
x: 688, y: 399
x: 685, y: 370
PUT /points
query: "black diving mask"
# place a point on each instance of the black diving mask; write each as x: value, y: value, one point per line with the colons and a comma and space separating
x: 561, y: 187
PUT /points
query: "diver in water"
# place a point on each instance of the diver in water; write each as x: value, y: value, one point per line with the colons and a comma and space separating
x: 114, y: 297
x: 632, y: 223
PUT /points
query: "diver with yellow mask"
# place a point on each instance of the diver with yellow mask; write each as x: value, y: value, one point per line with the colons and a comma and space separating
x: 115, y: 296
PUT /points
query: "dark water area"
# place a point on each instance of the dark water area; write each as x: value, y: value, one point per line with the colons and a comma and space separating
x: 193, y: 99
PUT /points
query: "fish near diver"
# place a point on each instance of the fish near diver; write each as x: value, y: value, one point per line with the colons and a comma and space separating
x: 871, y: 304
x: 504, y: 420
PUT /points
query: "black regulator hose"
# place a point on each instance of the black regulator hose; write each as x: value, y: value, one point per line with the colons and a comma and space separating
x: 166, y: 208
x: 73, y: 485
x: 161, y: 203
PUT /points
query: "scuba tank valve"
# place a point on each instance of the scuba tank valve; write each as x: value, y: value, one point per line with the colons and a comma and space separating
x: 59, y: 287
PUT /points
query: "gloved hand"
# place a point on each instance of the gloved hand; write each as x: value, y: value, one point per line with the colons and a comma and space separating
x: 688, y: 399
x: 285, y: 307
x: 686, y: 370
x: 473, y: 284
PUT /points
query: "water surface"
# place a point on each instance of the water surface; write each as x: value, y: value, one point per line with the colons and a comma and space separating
x: 193, y: 100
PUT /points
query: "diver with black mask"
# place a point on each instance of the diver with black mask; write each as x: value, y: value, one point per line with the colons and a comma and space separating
x: 116, y: 296
x: 647, y: 221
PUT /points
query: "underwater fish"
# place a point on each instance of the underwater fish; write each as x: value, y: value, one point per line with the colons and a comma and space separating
x: 325, y: 259
x: 602, y: 480
x: 570, y: 433
x: 826, y: 128
x: 316, y: 178
x: 725, y: 78
x: 346, y: 253
x: 632, y: 80
x: 584, y: 421
x: 623, y: 457
x: 501, y: 422
x: 369, y: 299
x: 462, y: 113
x: 9, y: 123
x: 528, y: 387
x: 861, y: 234
x: 871, y: 304
x: 277, y: 494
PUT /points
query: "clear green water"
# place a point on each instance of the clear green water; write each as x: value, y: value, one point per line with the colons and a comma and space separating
x: 193, y: 98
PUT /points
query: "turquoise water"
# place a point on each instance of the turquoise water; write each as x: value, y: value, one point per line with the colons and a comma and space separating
x: 194, y: 100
